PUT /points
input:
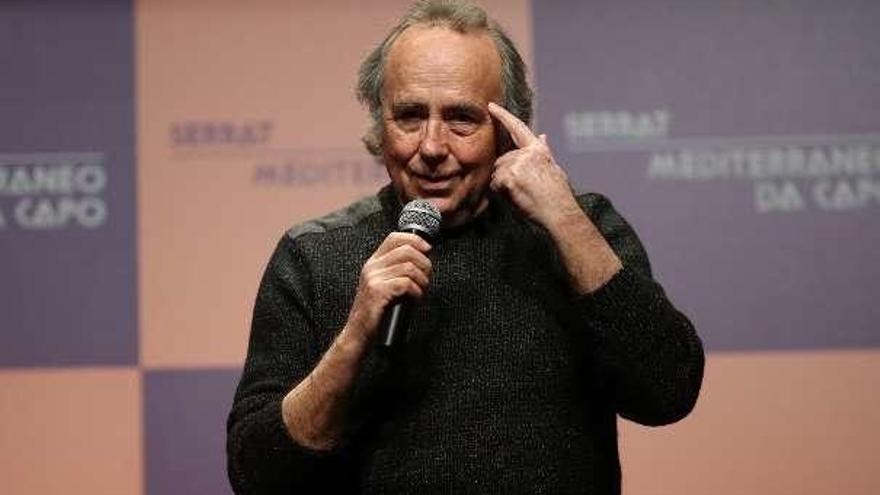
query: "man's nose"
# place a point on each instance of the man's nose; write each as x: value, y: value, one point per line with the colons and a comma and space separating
x: 434, y: 147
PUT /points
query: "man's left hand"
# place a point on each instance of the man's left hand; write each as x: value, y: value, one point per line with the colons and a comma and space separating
x: 539, y: 187
x: 530, y: 176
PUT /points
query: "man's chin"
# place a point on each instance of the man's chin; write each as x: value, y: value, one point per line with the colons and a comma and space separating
x: 456, y: 212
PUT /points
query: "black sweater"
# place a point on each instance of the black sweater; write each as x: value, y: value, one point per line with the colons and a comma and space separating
x: 509, y: 382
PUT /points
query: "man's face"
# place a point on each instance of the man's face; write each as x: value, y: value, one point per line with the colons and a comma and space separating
x: 439, y: 141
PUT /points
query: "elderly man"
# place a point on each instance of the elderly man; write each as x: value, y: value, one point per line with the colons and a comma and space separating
x: 537, y: 319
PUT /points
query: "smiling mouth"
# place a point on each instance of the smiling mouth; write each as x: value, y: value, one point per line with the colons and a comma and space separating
x: 434, y: 183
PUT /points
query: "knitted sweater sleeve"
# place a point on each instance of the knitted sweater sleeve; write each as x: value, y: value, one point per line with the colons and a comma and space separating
x: 261, y: 456
x: 647, y: 350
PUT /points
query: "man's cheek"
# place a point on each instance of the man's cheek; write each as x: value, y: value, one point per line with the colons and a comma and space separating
x: 404, y: 148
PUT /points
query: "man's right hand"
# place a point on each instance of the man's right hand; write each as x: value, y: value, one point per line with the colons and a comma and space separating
x: 314, y: 411
x: 399, y: 267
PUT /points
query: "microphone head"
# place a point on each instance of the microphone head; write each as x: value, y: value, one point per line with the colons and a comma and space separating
x: 420, y: 215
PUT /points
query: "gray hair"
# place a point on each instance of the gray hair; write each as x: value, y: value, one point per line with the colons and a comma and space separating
x: 461, y: 17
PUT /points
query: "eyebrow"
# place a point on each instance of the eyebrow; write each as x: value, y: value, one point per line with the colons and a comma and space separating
x: 403, y: 106
x: 469, y: 109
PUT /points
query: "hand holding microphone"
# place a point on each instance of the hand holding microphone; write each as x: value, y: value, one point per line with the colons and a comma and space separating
x: 422, y: 218
x: 399, y: 270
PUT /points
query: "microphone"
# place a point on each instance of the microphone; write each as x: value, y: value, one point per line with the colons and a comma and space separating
x: 422, y: 218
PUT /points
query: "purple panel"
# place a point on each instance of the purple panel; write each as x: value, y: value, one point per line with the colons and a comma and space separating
x: 760, y: 257
x: 185, y: 414
x: 67, y: 246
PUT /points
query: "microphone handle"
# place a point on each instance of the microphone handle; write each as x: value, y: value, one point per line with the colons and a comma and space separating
x: 393, y: 325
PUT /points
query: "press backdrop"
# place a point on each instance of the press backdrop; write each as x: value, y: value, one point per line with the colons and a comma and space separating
x: 152, y: 154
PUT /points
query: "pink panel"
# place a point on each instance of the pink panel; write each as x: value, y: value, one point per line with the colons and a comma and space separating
x: 76, y: 431
x: 789, y: 423
x: 247, y: 123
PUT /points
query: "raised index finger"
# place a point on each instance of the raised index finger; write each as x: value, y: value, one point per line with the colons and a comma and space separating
x: 519, y: 131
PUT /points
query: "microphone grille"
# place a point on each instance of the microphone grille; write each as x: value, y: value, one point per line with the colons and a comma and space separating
x: 420, y: 215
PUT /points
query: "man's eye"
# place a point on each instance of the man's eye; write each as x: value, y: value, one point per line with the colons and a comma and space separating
x: 464, y: 117
x: 408, y: 120
x: 463, y: 125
